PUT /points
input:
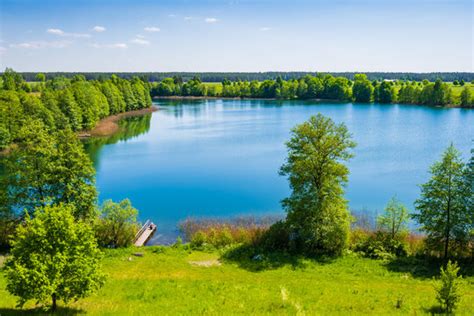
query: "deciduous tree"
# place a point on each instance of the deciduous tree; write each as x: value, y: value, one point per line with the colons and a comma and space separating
x: 53, y: 258
x: 317, y: 210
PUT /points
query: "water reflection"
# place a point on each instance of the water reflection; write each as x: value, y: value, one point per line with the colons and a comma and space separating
x: 130, y: 128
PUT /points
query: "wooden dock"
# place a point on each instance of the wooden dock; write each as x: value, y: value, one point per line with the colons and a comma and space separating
x: 144, y: 234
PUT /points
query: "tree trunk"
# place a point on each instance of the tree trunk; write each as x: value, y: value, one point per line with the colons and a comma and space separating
x: 53, y: 308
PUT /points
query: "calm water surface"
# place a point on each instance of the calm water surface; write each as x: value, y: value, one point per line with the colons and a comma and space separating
x: 220, y: 158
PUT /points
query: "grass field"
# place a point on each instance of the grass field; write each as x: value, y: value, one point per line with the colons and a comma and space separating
x: 167, y: 281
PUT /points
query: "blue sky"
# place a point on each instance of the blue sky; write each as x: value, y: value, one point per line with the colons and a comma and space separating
x: 179, y: 35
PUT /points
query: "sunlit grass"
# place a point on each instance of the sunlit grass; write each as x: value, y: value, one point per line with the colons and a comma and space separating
x: 164, y: 281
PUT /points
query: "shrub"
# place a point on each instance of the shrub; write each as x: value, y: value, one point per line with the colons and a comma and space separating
x: 117, y: 225
x: 378, y: 245
x: 276, y: 238
x: 448, y: 290
x: 198, y: 240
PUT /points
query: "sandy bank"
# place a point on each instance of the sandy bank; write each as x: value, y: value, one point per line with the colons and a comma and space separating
x: 109, y: 125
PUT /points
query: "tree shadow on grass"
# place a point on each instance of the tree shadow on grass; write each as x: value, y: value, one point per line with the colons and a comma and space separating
x: 426, y: 267
x: 255, y: 260
x: 61, y: 310
x: 435, y: 310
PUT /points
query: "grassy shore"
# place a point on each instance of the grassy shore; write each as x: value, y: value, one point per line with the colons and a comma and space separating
x: 168, y: 281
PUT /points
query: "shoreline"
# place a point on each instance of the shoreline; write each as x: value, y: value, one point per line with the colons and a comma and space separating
x: 180, y: 97
x: 190, y: 97
x: 109, y: 125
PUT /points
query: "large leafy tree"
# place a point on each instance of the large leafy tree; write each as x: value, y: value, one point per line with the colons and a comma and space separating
x: 443, y: 210
x: 49, y: 168
x: 317, y: 211
x: 53, y: 258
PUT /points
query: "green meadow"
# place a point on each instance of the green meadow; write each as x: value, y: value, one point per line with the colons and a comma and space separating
x: 170, y: 281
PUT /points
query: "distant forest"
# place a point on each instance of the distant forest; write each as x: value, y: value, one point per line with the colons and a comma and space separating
x: 259, y: 76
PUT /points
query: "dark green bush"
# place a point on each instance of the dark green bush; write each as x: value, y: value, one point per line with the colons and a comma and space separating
x: 276, y: 238
x: 380, y: 245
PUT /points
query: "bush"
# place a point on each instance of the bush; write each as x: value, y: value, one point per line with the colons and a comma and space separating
x: 378, y: 245
x: 117, y: 225
x: 448, y: 290
x: 276, y: 238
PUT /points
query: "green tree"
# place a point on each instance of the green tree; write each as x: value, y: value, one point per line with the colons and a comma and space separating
x: 466, y: 97
x: 447, y: 292
x: 53, y: 258
x: 69, y: 107
x: 28, y: 169
x: 11, y: 113
x: 114, y: 97
x: 49, y: 168
x: 316, y: 210
x: 362, y: 89
x: 11, y: 80
x: 74, y: 175
x: 442, y: 208
x: 394, y: 219
x: 40, y: 77
x: 385, y: 93
x: 117, y: 224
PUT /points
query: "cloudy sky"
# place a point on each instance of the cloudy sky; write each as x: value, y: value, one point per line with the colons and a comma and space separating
x: 261, y: 35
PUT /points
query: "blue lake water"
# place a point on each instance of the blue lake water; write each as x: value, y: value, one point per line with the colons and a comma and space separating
x: 220, y: 158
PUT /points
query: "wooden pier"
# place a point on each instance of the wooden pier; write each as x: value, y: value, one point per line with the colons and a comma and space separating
x: 144, y: 234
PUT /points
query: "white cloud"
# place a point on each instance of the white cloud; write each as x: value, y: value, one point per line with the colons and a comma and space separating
x: 98, y: 29
x: 115, y: 45
x: 140, y: 36
x: 211, y: 20
x: 171, y: 15
x: 60, y: 32
x: 41, y: 44
x: 2, y: 50
x: 140, y: 41
x: 56, y: 32
x: 188, y: 18
x: 151, y: 29
x: 265, y: 29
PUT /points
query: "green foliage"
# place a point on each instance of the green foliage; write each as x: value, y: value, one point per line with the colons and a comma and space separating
x: 47, y: 169
x: 362, y: 90
x: 385, y: 93
x: 40, y: 77
x: 466, y: 97
x: 117, y: 224
x: 53, y: 258
x: 276, y: 238
x: 394, y: 219
x: 443, y: 210
x: 448, y: 292
x: 380, y: 245
x: 316, y: 210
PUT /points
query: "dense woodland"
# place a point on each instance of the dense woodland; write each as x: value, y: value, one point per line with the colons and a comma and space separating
x: 259, y: 76
x: 63, y: 103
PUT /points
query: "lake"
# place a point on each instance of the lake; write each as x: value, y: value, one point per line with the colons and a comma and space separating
x: 220, y: 158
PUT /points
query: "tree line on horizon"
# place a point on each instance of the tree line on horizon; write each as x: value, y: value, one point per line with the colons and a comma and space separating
x: 259, y: 76
x: 62, y: 103
x: 327, y: 87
